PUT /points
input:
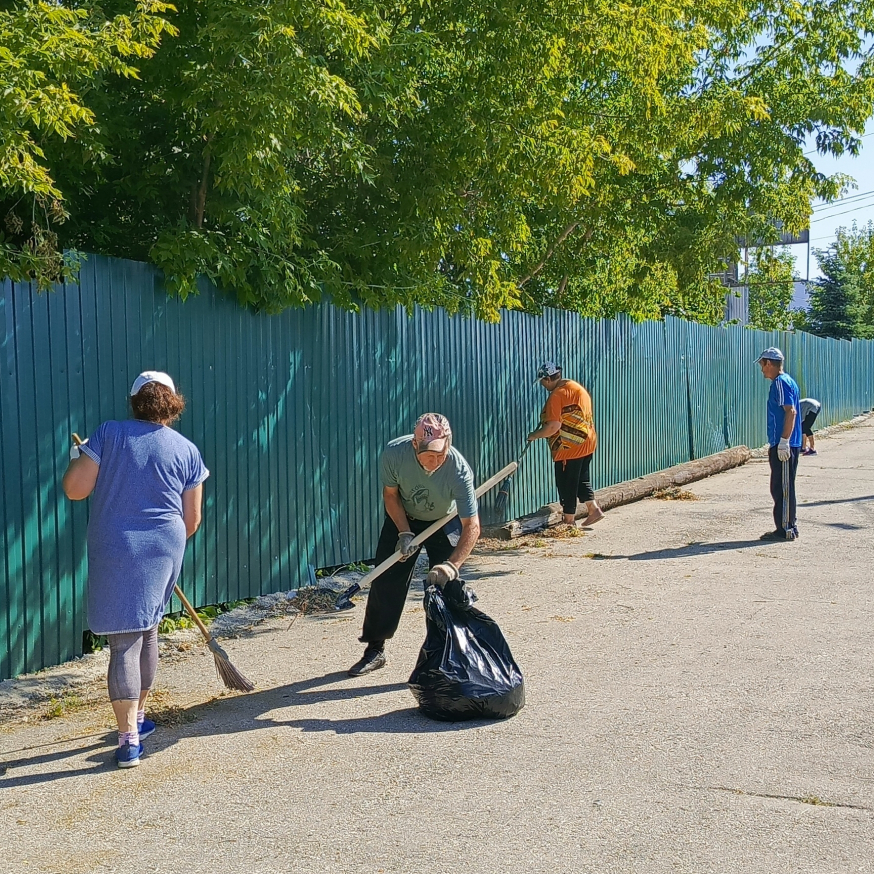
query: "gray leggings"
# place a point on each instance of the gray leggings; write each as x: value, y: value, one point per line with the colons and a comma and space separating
x: 133, y: 661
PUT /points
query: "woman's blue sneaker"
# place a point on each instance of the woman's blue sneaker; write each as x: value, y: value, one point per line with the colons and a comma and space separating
x: 128, y: 756
x: 145, y: 728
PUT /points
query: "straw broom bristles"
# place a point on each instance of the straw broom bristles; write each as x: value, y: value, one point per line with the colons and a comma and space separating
x: 229, y: 675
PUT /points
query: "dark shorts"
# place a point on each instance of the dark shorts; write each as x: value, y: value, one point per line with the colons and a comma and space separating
x: 807, y: 424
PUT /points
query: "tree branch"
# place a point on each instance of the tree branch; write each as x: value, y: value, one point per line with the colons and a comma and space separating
x: 549, y: 253
x: 200, y: 206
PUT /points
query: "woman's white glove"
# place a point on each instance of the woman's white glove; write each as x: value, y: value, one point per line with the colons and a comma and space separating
x: 404, y: 545
x: 441, y: 574
x: 783, y: 452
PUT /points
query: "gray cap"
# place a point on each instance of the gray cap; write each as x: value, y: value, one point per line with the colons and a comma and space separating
x: 772, y: 353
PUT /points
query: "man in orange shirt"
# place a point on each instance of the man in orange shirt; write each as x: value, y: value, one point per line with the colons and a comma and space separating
x: 567, y: 423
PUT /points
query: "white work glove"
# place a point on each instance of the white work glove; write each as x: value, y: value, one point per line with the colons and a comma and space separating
x: 74, y: 450
x: 404, y: 544
x: 783, y: 452
x: 441, y: 574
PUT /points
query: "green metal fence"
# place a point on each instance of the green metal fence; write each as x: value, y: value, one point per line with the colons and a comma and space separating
x: 292, y: 411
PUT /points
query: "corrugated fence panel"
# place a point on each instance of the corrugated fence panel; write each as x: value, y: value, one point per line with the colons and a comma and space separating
x: 292, y: 411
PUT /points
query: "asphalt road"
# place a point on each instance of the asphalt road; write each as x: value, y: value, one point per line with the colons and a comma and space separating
x: 698, y: 701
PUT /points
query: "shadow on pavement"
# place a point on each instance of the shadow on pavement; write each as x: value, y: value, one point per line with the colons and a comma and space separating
x: 472, y: 576
x: 405, y: 721
x: 836, y: 501
x: 843, y: 526
x: 239, y: 713
x: 691, y: 549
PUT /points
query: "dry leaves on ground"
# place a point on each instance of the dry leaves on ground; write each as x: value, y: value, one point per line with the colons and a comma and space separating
x: 675, y: 493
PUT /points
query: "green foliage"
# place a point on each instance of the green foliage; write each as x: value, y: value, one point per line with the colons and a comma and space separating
x: 179, y: 621
x: 50, y: 53
x: 67, y: 703
x: 842, y: 302
x: 598, y: 157
x: 855, y: 249
x: 770, y: 277
x: 358, y: 566
x: 93, y: 642
x: 174, y: 622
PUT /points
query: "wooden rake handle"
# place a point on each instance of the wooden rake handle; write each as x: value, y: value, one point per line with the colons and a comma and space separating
x: 192, y: 613
x: 419, y: 539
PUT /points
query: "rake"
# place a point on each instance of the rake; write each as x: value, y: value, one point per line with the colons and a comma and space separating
x: 419, y: 539
x: 503, y: 497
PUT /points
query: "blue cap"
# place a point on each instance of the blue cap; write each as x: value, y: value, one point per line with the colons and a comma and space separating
x: 772, y: 353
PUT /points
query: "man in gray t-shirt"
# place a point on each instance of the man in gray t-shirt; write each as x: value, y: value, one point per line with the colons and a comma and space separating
x: 424, y: 478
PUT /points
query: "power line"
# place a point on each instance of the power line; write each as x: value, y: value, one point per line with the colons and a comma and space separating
x: 845, y: 212
x: 845, y: 199
x: 860, y: 204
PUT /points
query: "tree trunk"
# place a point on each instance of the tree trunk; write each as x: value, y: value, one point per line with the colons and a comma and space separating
x: 627, y: 492
x: 201, y: 192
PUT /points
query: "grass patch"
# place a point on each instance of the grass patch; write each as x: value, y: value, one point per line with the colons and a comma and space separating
x: 66, y: 704
x: 816, y: 801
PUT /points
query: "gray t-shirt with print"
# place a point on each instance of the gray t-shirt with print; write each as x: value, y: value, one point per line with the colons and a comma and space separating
x: 428, y: 497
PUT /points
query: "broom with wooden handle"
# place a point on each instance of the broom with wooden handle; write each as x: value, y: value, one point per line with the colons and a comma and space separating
x: 229, y: 675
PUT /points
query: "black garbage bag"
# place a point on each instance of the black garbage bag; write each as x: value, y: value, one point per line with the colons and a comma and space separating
x: 465, y: 668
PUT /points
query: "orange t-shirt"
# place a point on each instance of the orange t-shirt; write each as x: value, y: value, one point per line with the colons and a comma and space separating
x: 571, y: 405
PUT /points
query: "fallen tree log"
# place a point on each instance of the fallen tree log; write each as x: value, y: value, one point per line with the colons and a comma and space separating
x: 627, y: 492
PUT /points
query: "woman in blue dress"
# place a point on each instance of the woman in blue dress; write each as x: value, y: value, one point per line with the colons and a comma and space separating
x: 146, y: 485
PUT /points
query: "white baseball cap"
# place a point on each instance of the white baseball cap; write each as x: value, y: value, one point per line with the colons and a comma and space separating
x: 148, y: 376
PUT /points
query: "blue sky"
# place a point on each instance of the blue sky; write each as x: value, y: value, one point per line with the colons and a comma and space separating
x: 857, y: 205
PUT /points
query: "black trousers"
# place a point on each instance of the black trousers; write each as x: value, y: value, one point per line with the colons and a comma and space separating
x: 783, y: 489
x: 807, y: 423
x: 573, y: 480
x: 388, y: 593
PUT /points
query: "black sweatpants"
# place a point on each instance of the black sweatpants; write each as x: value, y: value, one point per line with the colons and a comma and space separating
x: 573, y: 480
x: 783, y: 489
x: 385, y: 603
x: 807, y: 424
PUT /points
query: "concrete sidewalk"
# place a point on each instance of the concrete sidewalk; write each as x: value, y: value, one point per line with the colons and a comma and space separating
x: 698, y: 701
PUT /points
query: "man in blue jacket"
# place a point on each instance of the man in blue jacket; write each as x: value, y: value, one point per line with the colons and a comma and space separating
x: 784, y: 442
